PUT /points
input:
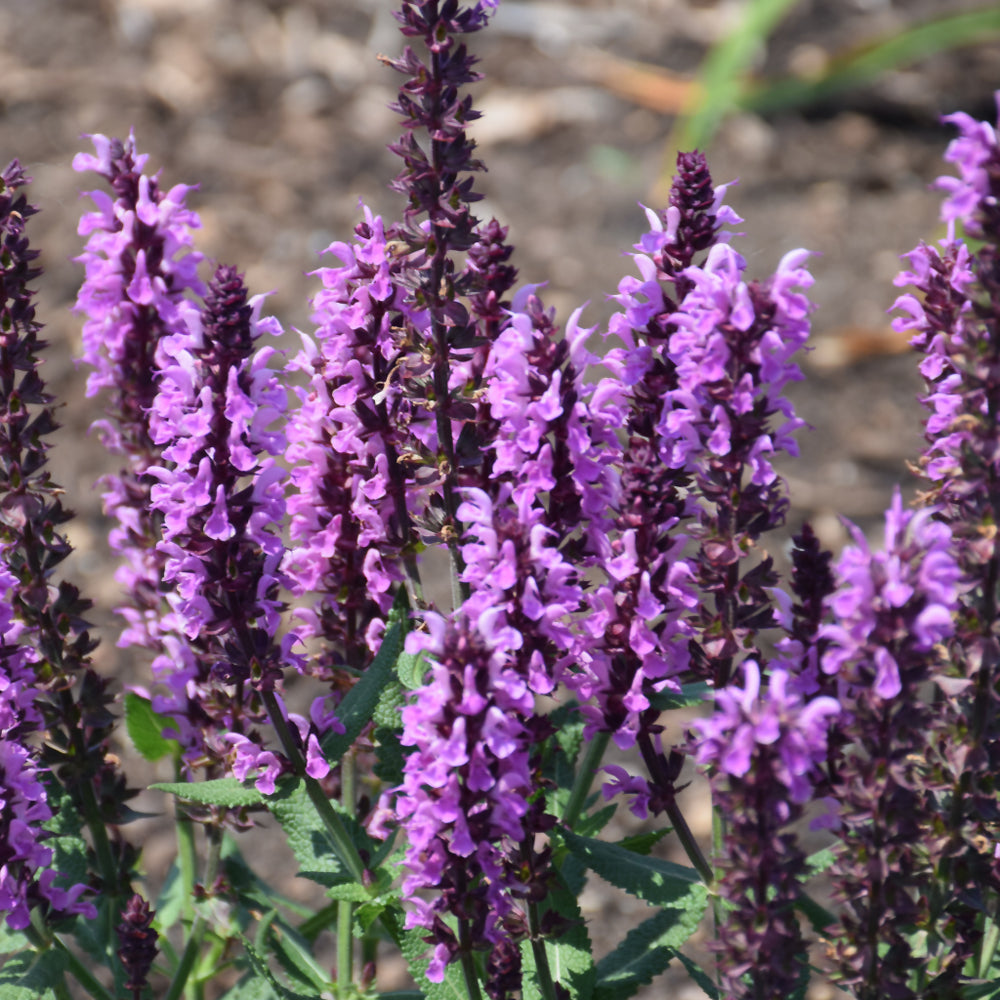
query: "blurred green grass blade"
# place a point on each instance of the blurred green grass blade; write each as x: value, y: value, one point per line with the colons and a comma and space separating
x: 721, y: 79
x: 862, y: 65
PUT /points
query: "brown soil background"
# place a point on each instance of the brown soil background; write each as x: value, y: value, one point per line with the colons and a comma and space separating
x: 278, y: 111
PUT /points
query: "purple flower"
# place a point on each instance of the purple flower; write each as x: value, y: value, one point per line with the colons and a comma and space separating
x: 972, y: 197
x: 348, y: 506
x: 892, y: 605
x: 745, y: 722
x: 220, y: 494
x: 467, y: 781
x: 892, y: 614
x: 763, y: 751
x: 141, y: 272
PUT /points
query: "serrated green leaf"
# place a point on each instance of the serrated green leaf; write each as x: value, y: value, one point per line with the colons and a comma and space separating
x: 292, y: 952
x: 31, y: 976
x: 595, y: 822
x: 145, y: 729
x: 411, y: 669
x: 697, y: 973
x: 661, y: 883
x: 390, y: 756
x: 643, y: 843
x: 11, y: 941
x: 225, y: 792
x: 252, y: 987
x: 569, y: 955
x: 262, y: 969
x: 307, y: 837
x: 644, y: 954
x: 415, y: 950
x: 358, y: 706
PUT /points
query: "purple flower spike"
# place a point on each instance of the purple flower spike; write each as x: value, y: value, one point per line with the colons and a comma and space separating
x: 220, y: 493
x: 893, y: 612
x: 764, y: 752
x: 348, y: 514
x: 464, y: 797
x: 141, y: 272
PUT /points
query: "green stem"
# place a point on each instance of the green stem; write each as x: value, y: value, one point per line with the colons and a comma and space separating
x: 469, y: 973
x: 345, y: 911
x: 545, y: 984
x: 200, y: 926
x: 592, y: 757
x: 186, y: 854
x: 43, y: 942
x: 342, y: 843
x: 99, y: 833
x: 690, y: 844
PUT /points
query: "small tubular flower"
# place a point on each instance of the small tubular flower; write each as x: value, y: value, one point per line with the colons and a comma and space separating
x: 763, y: 751
x: 220, y: 494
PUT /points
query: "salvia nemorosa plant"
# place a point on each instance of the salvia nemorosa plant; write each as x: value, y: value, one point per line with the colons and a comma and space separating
x: 442, y: 767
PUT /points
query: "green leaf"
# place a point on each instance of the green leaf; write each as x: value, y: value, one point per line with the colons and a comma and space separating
x: 401, y: 995
x: 643, y: 843
x: 722, y: 73
x: 697, y: 973
x: 307, y: 837
x: 570, y: 956
x: 226, y: 792
x: 251, y: 987
x: 31, y: 976
x: 358, y: 706
x: 11, y: 941
x: 262, y: 969
x: 661, y: 883
x: 295, y: 957
x: 595, y: 822
x: 145, y: 728
x: 170, y: 903
x: 645, y: 952
x: 820, y: 861
x: 416, y: 951
x: 689, y: 696
x: 390, y: 756
x: 411, y: 669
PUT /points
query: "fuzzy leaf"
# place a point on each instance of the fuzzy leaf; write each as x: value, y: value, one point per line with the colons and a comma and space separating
x: 698, y: 974
x: 262, y: 969
x: 358, y: 706
x: 643, y: 843
x: 570, y: 956
x: 30, y: 976
x: 310, y: 843
x: 252, y: 987
x: 226, y: 792
x: 411, y: 669
x: 296, y: 958
x: 145, y: 728
x: 661, y: 883
x: 415, y: 950
x: 645, y: 952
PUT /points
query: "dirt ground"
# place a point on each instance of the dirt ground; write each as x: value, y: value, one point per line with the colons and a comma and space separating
x: 277, y: 109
